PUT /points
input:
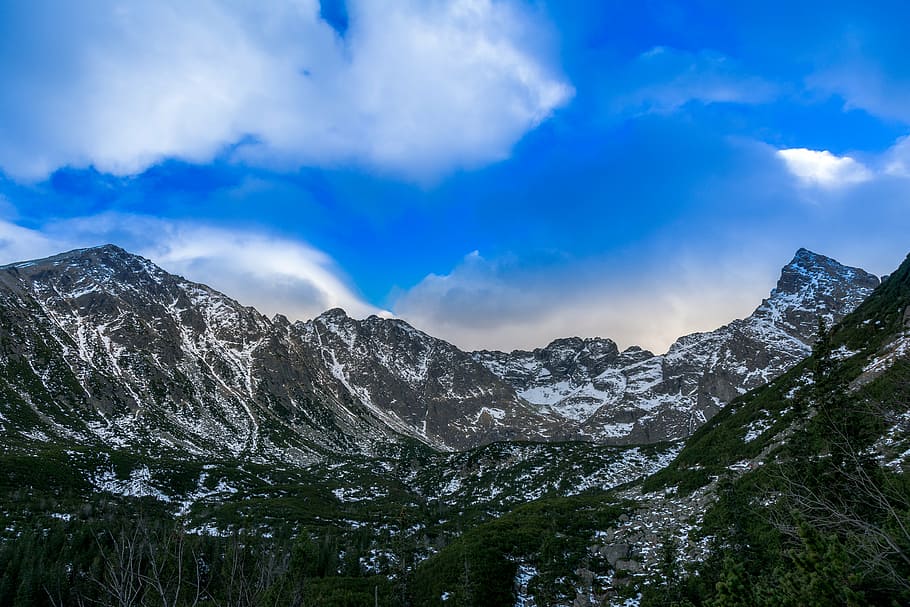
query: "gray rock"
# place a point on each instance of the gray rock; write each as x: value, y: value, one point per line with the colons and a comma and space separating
x: 628, y: 565
x: 637, y: 397
x: 615, y: 552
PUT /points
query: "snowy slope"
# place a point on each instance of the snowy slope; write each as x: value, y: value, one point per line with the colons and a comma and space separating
x: 419, y: 385
x: 154, y: 360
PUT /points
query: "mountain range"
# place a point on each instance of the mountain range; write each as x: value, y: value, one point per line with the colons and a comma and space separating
x: 104, y: 346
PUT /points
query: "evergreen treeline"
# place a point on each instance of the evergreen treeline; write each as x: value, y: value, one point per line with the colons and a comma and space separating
x: 133, y: 558
x: 153, y: 561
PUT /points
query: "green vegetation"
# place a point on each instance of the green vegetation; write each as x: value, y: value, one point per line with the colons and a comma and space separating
x: 550, y: 535
x: 395, y: 529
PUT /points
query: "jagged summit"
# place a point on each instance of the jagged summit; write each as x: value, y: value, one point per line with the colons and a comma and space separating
x: 809, y: 287
x: 335, y: 313
x: 809, y: 270
x: 593, y: 344
x: 803, y: 253
x: 102, y: 262
x: 635, y: 396
x: 168, y: 363
x: 420, y: 385
x: 98, y: 274
x: 108, y: 248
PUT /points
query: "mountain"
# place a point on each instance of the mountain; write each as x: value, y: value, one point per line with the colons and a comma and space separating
x: 638, y: 397
x: 422, y: 386
x: 104, y: 346
x: 797, y: 492
x: 584, y: 389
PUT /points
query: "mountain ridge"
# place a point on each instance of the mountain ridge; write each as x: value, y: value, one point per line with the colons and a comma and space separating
x: 200, y: 364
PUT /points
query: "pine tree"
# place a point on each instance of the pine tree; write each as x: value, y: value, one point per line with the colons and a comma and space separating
x: 732, y: 590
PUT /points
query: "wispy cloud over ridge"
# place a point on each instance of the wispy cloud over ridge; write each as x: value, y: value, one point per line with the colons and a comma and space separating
x: 274, y: 274
x: 492, y: 304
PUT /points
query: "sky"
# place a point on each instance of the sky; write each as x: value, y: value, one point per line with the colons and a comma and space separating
x: 499, y: 173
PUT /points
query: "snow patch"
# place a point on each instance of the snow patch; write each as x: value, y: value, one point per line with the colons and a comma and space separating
x: 757, y: 428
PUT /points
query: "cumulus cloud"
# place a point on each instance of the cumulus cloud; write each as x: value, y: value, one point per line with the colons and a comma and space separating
x: 412, y: 88
x: 275, y: 275
x: 496, y: 304
x: 823, y: 169
x: 664, y: 79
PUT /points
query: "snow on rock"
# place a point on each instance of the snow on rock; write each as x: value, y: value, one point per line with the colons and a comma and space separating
x: 419, y: 385
x: 894, y: 350
x: 636, y: 396
x: 757, y: 428
x: 170, y: 363
x: 523, y: 577
x: 139, y: 484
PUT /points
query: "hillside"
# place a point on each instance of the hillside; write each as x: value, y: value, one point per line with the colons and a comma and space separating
x: 798, y: 492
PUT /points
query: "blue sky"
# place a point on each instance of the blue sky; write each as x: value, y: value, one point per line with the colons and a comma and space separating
x: 499, y: 173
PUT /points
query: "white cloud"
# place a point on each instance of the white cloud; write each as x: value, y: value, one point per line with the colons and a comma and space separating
x: 664, y: 79
x: 864, y: 84
x: 496, y: 304
x: 20, y: 244
x: 274, y: 275
x: 824, y: 169
x: 897, y: 159
x: 414, y: 88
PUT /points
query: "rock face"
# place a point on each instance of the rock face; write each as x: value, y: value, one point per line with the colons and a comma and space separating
x: 105, y: 346
x: 637, y: 397
x: 422, y: 386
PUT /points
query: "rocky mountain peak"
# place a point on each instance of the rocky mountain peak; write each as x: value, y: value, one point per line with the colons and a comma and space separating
x: 91, y: 275
x: 417, y: 384
x: 578, y: 344
x: 813, y: 286
x: 808, y: 270
x: 108, y: 255
x: 635, y: 396
x: 573, y: 355
x: 194, y: 365
x: 334, y: 314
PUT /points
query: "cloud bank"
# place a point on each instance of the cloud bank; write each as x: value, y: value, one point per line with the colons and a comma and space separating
x: 413, y: 88
x: 492, y: 304
x: 670, y: 285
